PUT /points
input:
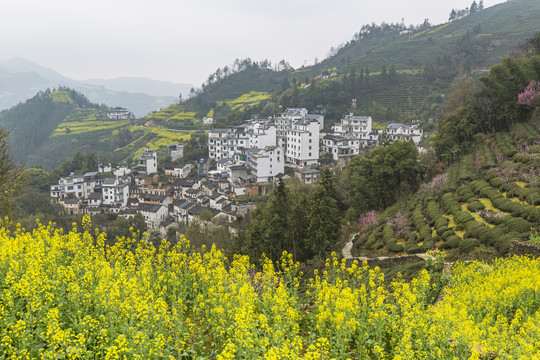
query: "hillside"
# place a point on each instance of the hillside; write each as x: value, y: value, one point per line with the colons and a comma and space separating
x: 392, y: 76
x: 53, y: 125
x: 484, y: 201
x: 66, y: 293
x: 247, y: 85
x: 21, y: 79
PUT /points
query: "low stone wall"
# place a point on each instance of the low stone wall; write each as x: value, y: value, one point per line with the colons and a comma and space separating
x: 521, y: 248
x: 387, y: 262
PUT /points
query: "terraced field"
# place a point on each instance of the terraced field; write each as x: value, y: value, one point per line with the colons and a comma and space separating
x: 81, y: 127
x: 246, y: 100
x: 487, y: 199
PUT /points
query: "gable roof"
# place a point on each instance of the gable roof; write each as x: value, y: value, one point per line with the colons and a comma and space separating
x: 153, y: 208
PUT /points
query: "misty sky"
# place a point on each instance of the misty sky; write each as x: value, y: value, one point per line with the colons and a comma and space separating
x: 184, y: 41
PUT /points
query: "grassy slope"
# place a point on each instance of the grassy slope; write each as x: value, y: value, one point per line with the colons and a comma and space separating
x: 491, y: 194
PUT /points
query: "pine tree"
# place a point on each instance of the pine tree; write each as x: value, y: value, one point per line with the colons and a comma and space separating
x: 324, y: 228
x: 474, y: 8
x: 12, y: 178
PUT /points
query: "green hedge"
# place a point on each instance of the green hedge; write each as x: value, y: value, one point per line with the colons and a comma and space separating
x: 468, y: 245
x: 475, y: 206
x: 451, y: 243
x: 464, y: 193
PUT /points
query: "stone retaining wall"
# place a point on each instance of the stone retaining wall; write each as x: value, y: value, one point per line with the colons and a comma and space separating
x: 521, y: 248
x: 386, y: 262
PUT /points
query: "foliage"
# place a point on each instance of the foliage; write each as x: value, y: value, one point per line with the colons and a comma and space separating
x: 493, y: 108
x: 81, y: 298
x: 530, y: 95
x: 12, y: 177
x: 388, y: 171
x: 30, y: 123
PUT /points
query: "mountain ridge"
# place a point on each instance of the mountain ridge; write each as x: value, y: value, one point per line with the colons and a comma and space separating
x: 23, y: 78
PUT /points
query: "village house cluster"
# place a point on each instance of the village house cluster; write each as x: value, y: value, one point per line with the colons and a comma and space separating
x: 244, y: 160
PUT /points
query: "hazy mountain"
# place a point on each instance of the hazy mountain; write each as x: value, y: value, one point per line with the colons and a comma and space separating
x: 143, y: 85
x: 20, y: 79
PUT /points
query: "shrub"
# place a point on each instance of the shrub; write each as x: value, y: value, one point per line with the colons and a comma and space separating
x: 445, y: 235
x: 464, y: 192
x: 468, y: 245
x: 475, y: 206
x: 451, y: 243
x: 463, y: 217
x: 517, y: 224
x: 441, y: 230
x: 467, y: 170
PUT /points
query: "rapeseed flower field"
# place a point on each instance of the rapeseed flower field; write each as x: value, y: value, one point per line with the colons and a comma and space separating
x: 66, y: 295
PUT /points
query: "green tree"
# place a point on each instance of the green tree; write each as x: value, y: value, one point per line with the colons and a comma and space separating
x: 535, y: 42
x: 12, y: 178
x: 39, y: 179
x: 324, y: 218
x: 137, y: 223
x: 387, y: 173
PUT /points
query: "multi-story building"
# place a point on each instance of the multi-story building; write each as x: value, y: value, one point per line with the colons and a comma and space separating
x: 285, y: 121
x: 115, y: 192
x: 118, y: 113
x: 352, y: 125
x: 69, y: 187
x: 402, y: 132
x: 176, y: 151
x: 302, y: 147
x: 147, y: 162
x: 342, y: 148
x: 231, y: 143
x: 266, y: 163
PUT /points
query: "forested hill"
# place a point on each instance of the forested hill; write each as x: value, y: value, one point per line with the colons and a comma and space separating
x: 30, y: 123
x: 394, y: 71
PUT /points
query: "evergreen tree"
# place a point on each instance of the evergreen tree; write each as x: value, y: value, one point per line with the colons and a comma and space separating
x: 324, y: 228
x: 481, y: 5
x: 12, y: 178
x: 474, y: 8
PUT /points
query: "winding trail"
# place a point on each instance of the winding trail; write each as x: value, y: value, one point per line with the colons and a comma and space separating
x: 346, y: 253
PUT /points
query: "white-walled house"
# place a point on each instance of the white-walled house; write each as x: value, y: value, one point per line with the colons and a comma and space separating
x: 303, y: 143
x: 147, y: 161
x: 153, y: 214
x: 178, y: 171
x: 176, y: 151
x: 284, y: 122
x: 402, y: 132
x: 118, y: 113
x: 359, y: 126
x: 69, y: 187
x: 309, y: 176
x: 115, y: 192
x: 266, y: 163
x: 232, y: 142
x: 342, y: 148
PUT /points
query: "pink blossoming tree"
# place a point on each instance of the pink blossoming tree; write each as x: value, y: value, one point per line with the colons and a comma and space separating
x: 530, y: 97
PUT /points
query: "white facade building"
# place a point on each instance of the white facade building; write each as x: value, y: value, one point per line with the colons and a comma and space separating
x: 232, y: 142
x: 303, y: 143
x: 402, y: 132
x: 115, y: 192
x: 70, y: 187
x: 285, y: 121
x: 342, y: 148
x: 118, y: 113
x: 153, y: 214
x: 266, y: 163
x: 147, y: 161
x: 176, y: 151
